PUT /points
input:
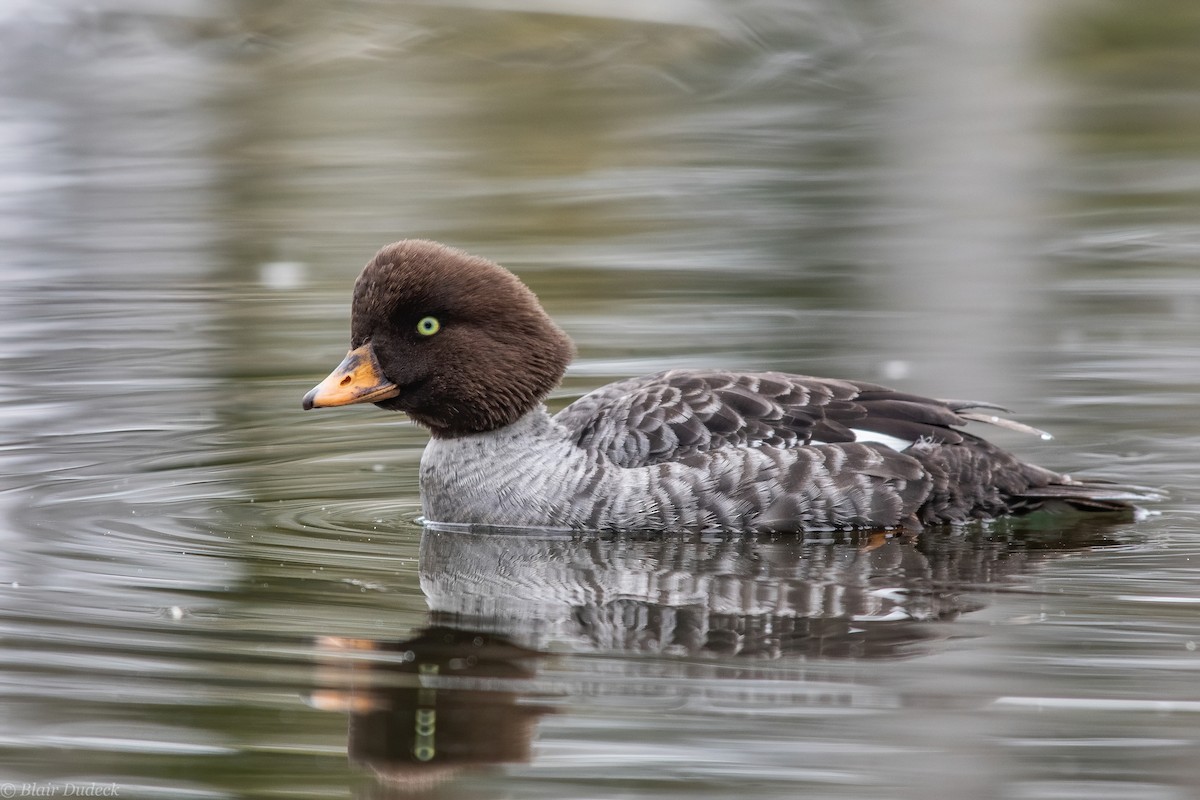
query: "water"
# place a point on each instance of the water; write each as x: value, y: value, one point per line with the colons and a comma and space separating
x: 206, y: 592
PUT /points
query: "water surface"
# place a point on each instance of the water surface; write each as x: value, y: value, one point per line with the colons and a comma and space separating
x: 206, y: 592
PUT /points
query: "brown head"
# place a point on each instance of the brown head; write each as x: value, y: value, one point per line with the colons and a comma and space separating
x: 455, y: 341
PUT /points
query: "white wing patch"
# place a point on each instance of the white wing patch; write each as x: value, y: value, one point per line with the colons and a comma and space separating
x: 894, y: 442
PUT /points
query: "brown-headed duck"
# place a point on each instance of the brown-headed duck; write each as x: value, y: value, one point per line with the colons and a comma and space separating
x: 459, y: 344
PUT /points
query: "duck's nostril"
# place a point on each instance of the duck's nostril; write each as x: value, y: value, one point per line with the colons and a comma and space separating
x: 346, y: 380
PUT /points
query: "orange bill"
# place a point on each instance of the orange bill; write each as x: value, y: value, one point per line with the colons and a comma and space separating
x: 356, y: 380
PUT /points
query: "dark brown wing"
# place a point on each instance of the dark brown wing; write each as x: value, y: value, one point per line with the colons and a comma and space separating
x: 674, y: 414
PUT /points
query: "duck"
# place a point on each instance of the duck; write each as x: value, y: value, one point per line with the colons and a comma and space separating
x: 465, y: 349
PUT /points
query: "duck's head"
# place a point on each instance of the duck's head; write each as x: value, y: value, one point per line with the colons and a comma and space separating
x: 455, y: 341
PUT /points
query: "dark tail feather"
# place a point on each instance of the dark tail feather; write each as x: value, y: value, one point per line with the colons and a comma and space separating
x: 1093, y: 495
x: 1087, y: 495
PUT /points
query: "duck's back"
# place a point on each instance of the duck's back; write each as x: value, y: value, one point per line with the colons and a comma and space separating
x: 788, y: 449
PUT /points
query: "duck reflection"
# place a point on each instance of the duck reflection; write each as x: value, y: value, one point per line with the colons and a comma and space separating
x: 856, y: 595
x: 424, y: 709
x: 465, y: 692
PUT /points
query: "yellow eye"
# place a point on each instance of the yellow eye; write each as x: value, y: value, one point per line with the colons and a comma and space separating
x: 428, y: 326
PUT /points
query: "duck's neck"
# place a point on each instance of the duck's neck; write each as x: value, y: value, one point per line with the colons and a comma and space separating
x: 529, y: 472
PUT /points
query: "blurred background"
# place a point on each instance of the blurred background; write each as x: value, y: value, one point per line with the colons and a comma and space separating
x: 206, y: 592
